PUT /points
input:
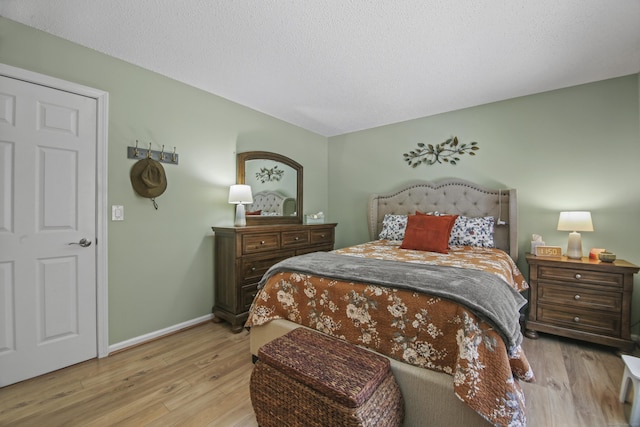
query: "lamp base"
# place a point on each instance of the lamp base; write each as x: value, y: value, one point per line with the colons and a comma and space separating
x: 241, y: 219
x: 574, y: 246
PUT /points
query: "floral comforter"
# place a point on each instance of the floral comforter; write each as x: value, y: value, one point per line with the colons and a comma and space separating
x: 419, y: 329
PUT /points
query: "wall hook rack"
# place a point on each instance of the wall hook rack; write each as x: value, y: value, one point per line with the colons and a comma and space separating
x: 144, y: 153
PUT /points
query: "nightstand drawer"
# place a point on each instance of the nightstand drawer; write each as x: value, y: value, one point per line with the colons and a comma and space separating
x: 252, y: 243
x: 322, y: 236
x: 582, y: 320
x: 576, y: 296
x: 295, y: 238
x: 580, y: 276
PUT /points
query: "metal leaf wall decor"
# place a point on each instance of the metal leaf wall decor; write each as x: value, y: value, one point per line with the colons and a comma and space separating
x: 445, y: 152
x: 266, y: 174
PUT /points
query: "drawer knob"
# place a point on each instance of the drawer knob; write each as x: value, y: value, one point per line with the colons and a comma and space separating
x: 253, y: 269
x: 577, y: 297
x: 578, y: 276
x: 576, y: 319
x: 322, y: 236
x: 296, y: 238
x: 262, y: 242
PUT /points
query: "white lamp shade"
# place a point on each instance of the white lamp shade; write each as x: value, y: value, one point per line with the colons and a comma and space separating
x: 240, y: 194
x: 575, y: 221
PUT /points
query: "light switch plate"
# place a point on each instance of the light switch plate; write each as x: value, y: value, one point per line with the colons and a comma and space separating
x: 117, y: 213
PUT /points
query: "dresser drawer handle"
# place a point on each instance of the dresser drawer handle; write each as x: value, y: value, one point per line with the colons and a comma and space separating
x: 576, y: 319
x: 253, y: 269
x: 577, y: 297
x: 578, y: 276
x: 296, y: 238
x: 262, y: 242
x: 322, y: 236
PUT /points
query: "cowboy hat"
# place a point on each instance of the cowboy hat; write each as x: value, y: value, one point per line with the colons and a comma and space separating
x: 148, y: 178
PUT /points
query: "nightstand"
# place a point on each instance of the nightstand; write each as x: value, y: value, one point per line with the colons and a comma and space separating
x: 583, y: 299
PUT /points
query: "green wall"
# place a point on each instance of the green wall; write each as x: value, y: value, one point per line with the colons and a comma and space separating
x: 569, y: 149
x: 575, y: 148
x: 160, y: 262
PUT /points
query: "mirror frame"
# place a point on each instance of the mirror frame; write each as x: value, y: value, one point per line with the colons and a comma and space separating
x: 241, y: 158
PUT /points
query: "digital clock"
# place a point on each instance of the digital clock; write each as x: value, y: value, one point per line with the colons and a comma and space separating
x: 550, y: 251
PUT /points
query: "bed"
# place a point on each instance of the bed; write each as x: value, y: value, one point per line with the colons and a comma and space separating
x: 457, y: 362
x: 271, y: 203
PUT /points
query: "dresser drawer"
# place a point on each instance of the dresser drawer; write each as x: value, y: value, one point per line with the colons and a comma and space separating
x: 580, y: 276
x: 314, y: 249
x: 249, y: 292
x: 322, y: 236
x: 576, y: 296
x: 253, y: 268
x: 295, y: 238
x: 582, y: 320
x: 252, y: 243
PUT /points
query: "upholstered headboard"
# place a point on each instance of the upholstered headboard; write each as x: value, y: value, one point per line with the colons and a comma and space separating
x: 272, y: 203
x: 451, y: 196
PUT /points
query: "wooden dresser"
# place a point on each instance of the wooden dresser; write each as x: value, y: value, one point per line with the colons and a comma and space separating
x: 583, y: 299
x: 243, y: 254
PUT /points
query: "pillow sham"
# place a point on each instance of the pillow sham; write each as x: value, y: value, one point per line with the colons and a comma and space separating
x: 473, y: 232
x: 428, y: 233
x: 393, y: 227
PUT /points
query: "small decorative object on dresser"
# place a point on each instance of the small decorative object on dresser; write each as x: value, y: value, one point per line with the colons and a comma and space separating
x: 243, y: 254
x: 582, y: 298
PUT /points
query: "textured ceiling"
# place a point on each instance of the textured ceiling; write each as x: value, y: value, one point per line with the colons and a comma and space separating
x: 337, y: 66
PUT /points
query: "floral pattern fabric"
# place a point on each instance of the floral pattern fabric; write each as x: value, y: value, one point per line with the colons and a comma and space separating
x: 466, y: 231
x: 472, y: 232
x: 415, y: 328
x: 393, y: 227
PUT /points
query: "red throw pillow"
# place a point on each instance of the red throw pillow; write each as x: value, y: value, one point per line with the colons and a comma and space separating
x: 428, y: 233
x: 453, y: 223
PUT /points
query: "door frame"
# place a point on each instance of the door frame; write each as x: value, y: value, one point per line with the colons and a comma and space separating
x: 102, y: 101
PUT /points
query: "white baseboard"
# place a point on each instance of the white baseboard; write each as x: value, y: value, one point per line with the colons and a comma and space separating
x: 153, y: 335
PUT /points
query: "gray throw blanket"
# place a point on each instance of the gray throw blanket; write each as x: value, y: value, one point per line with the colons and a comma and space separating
x: 485, y: 294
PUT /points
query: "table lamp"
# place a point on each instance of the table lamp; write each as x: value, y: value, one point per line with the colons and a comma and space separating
x: 575, y: 221
x: 240, y: 194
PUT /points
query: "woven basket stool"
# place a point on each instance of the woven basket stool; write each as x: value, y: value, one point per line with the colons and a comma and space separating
x: 305, y: 378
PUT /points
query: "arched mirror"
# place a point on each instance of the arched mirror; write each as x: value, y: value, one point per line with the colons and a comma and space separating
x: 276, y: 184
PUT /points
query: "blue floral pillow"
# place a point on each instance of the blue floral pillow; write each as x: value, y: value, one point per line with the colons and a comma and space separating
x: 472, y: 232
x: 393, y: 227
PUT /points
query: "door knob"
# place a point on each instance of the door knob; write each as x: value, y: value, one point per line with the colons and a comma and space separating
x: 83, y: 242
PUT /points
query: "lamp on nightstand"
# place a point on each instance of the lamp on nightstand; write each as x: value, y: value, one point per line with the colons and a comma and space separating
x: 575, y: 221
x: 239, y: 194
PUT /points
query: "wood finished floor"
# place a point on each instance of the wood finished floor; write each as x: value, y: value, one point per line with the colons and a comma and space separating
x: 200, y: 377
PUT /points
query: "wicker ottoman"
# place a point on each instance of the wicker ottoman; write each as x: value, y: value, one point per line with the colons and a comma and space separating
x: 305, y: 378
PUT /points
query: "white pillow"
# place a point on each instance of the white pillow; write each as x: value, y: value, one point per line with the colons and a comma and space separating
x: 393, y: 227
x: 472, y: 232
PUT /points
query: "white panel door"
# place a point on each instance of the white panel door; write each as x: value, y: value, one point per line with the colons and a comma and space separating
x: 47, y: 207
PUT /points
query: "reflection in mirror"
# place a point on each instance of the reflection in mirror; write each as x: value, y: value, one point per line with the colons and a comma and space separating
x: 276, y: 184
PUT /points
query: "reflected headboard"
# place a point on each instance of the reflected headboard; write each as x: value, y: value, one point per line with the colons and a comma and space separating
x: 272, y: 203
x: 451, y: 196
